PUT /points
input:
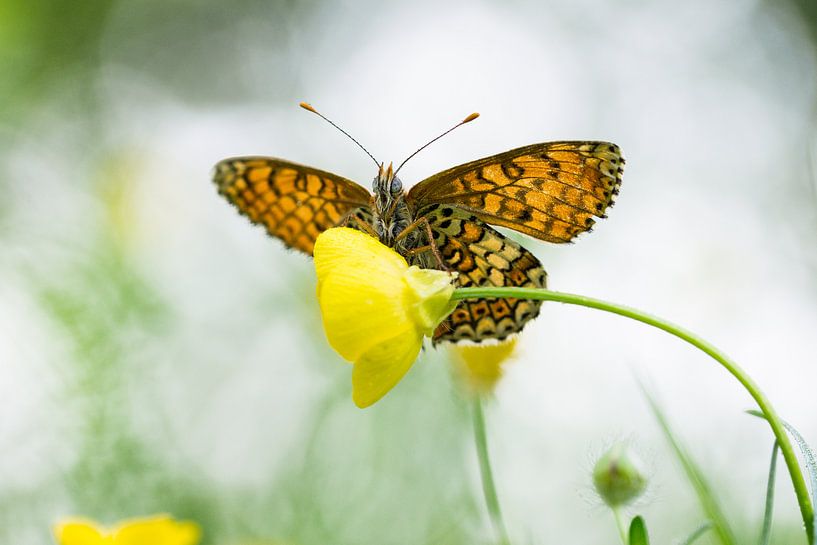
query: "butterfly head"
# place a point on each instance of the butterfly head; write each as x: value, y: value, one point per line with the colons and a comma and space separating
x: 386, y: 183
x: 391, y: 214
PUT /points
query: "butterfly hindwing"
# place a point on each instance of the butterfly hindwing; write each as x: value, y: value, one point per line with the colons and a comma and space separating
x: 482, y: 257
x: 550, y: 191
x: 294, y: 203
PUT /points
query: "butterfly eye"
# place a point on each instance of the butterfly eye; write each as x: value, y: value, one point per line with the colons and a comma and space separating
x: 374, y: 184
x: 396, y: 185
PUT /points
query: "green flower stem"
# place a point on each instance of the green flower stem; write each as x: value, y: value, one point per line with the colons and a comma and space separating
x: 799, y: 483
x: 622, y: 526
x: 488, y: 487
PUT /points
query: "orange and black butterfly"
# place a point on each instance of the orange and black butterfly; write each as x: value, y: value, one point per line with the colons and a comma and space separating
x: 551, y: 191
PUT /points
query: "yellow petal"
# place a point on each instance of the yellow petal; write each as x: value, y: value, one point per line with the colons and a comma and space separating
x: 360, y: 310
x: 481, y: 365
x: 157, y: 530
x: 343, y: 247
x: 382, y: 367
x: 79, y: 532
x: 360, y: 290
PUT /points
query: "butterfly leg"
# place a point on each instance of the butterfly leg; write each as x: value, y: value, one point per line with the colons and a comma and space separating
x: 419, y: 250
x: 364, y: 225
x: 423, y: 222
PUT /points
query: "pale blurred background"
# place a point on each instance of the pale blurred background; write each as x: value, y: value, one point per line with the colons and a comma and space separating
x: 160, y: 354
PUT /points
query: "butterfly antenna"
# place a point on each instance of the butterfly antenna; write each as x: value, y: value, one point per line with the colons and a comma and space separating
x: 309, y: 107
x: 468, y: 119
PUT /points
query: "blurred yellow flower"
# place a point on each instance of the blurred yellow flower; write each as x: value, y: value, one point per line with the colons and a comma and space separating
x: 375, y: 308
x: 155, y: 530
x: 480, y: 366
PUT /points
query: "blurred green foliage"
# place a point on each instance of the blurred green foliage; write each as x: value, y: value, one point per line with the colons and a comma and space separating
x: 46, y: 47
x: 395, y: 475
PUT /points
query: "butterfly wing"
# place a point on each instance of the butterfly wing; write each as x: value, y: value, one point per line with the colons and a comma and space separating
x: 295, y: 203
x: 550, y: 191
x: 483, y: 257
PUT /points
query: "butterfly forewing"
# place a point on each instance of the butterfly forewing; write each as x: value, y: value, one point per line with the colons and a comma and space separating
x: 482, y: 257
x: 550, y: 191
x: 293, y: 202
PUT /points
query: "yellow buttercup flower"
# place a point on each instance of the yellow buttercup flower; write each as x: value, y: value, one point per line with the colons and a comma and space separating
x: 155, y: 530
x: 375, y: 308
x: 480, y: 366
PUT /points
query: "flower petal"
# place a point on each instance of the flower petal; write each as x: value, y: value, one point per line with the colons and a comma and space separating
x: 78, y: 532
x: 360, y: 290
x: 344, y: 247
x: 382, y: 367
x: 481, y: 365
x: 157, y: 530
x: 357, y: 315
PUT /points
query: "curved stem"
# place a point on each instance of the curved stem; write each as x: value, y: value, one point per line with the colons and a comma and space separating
x: 786, y: 449
x: 488, y: 487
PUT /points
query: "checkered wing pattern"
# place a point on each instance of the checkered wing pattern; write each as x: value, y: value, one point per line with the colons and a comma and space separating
x: 550, y: 191
x: 483, y: 257
x: 295, y: 203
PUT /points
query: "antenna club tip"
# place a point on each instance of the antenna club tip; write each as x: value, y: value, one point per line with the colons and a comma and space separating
x: 307, y: 106
x: 471, y: 117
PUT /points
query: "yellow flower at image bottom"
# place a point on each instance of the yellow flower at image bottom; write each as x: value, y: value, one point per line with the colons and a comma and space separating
x: 375, y: 308
x: 155, y: 530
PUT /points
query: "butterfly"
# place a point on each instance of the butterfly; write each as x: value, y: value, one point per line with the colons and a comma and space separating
x: 552, y: 191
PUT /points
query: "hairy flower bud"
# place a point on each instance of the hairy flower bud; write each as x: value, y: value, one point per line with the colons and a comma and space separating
x: 619, y: 476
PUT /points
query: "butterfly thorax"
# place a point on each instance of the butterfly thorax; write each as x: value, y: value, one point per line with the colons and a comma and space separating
x: 391, y: 213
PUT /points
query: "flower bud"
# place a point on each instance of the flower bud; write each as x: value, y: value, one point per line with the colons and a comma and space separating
x: 619, y: 476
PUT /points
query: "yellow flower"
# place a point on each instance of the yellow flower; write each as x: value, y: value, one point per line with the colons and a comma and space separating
x: 155, y: 530
x: 480, y: 366
x: 375, y: 308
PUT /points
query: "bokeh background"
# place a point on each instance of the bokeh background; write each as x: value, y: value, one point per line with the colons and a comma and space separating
x: 160, y: 354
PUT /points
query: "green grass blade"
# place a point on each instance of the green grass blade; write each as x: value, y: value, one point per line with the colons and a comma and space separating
x: 710, y: 505
x: 638, y: 532
x: 701, y: 530
x: 808, y: 457
x: 766, y: 532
